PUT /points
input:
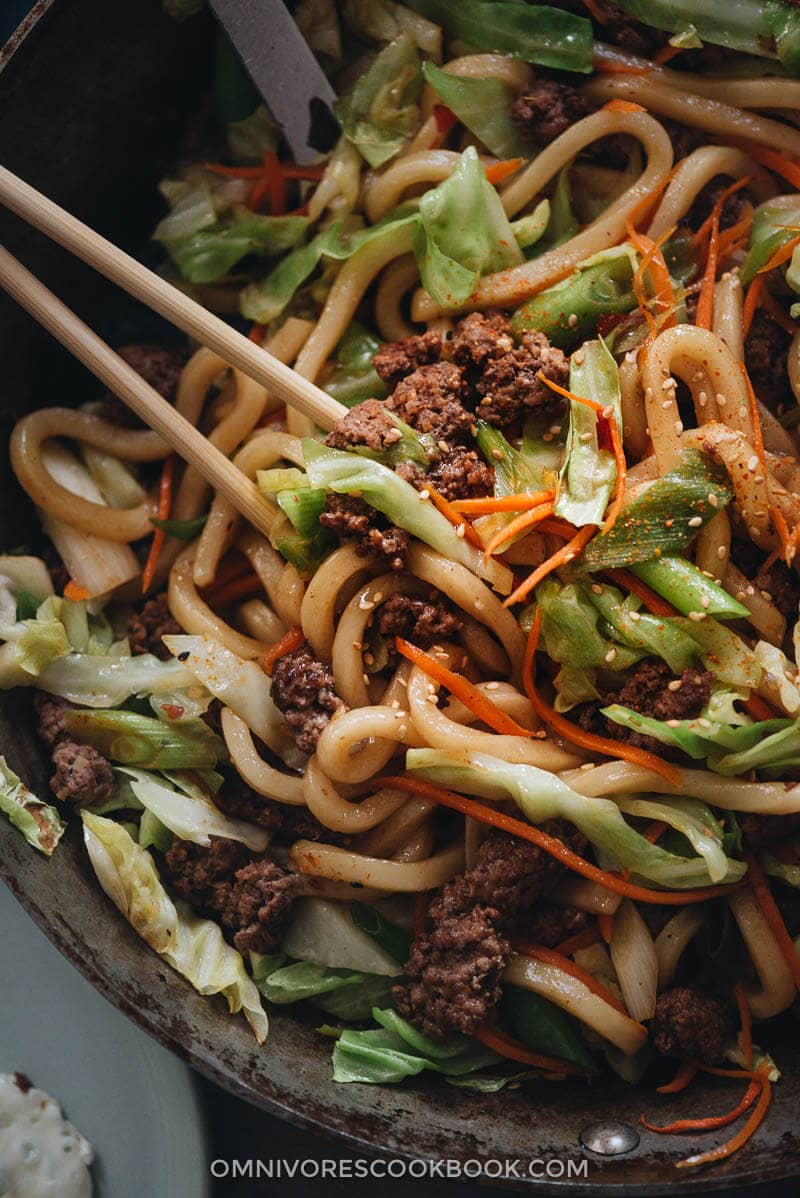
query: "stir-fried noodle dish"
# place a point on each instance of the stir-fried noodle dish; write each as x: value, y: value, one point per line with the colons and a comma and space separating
x: 489, y: 750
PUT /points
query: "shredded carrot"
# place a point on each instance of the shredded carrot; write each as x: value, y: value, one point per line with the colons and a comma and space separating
x: 290, y: 641
x: 667, y: 53
x: 74, y: 591
x: 735, y: 237
x: 550, y: 956
x: 747, y: 1023
x: 574, y: 944
x: 742, y: 1136
x: 779, y: 163
x: 550, y: 844
x: 782, y: 254
x: 233, y: 565
x: 769, y: 909
x: 623, y: 106
x: 703, y: 232
x: 687, y: 1072
x: 784, y: 536
x: 421, y: 899
x: 705, y: 299
x: 661, y: 281
x: 655, y: 831
x: 710, y: 1123
x: 604, y: 67
x: 577, y: 736
x: 519, y: 524
x: 596, y: 11
x: 751, y: 301
x: 243, y: 587
x: 561, y: 557
x: 501, y: 170
x: 456, y: 519
x: 778, y: 313
x: 642, y: 207
x: 653, y: 602
x: 273, y: 183
x: 757, y: 708
x: 755, y: 418
x: 256, y: 333
x: 605, y: 922
x: 159, y: 536
x: 559, y: 528
x: 507, y: 1046
x: 502, y: 503
x: 463, y: 689
x: 445, y: 119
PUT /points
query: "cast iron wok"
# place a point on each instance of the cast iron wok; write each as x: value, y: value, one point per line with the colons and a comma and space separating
x: 95, y: 99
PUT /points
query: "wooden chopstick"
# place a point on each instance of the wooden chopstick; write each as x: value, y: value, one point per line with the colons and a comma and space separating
x: 168, y: 301
x: 123, y: 380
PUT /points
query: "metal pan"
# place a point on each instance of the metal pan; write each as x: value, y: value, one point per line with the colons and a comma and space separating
x: 95, y: 99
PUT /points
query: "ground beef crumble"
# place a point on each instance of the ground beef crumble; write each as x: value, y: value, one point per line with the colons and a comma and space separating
x: 368, y: 425
x: 251, y: 896
x: 691, y: 1023
x: 461, y: 474
x: 760, y: 831
x: 149, y: 624
x: 421, y: 621
x: 397, y: 359
x: 455, y: 963
x: 303, y: 690
x: 509, y: 385
x: 765, y: 353
x: 161, y: 368
x: 287, y: 821
x: 354, y: 520
x: 82, y: 774
x: 431, y: 400
x: 480, y: 337
x: 546, y: 110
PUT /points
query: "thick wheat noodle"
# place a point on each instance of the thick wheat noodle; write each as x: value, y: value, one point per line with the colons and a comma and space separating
x: 338, y: 189
x: 259, y: 775
x: 697, y: 170
x: 260, y: 621
x: 343, y: 299
x: 713, y: 376
x: 383, y: 192
x: 339, y: 814
x: 776, y: 989
x: 343, y: 749
x: 731, y: 794
x: 634, y: 417
x: 673, y: 939
x: 769, y: 92
x: 515, y: 74
x: 197, y: 618
x: 764, y: 615
x: 713, y: 546
x: 727, y: 317
x: 280, y: 580
x: 396, y: 281
x: 510, y: 287
x: 341, y: 865
x: 713, y: 116
x: 503, y: 695
x: 382, y: 840
x: 483, y: 648
x: 262, y: 450
x: 337, y: 892
x: 472, y: 596
x: 441, y: 732
x: 755, y: 493
x: 417, y: 846
x: 427, y: 137
x: 575, y: 997
x: 586, y: 896
x: 27, y: 443
x: 318, y: 613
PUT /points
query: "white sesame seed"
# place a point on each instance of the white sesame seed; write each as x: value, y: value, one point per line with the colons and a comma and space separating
x: 498, y: 455
x: 721, y: 399
x: 635, y: 616
x: 442, y: 446
x: 492, y: 686
x: 668, y: 384
x: 612, y: 653
x: 572, y: 320
x: 702, y: 399
x: 751, y: 590
x: 596, y: 588
x: 752, y: 463
x: 461, y: 530
x: 695, y: 521
x: 378, y: 596
x: 766, y: 595
x: 425, y: 493
x: 648, y: 393
x: 712, y: 499
x: 675, y: 685
x: 587, y: 765
x: 703, y: 722
x: 722, y: 552
x: 666, y: 403
x: 478, y: 605
x: 365, y: 603
x: 697, y: 615
x: 679, y: 426
x: 705, y: 601
x: 673, y: 723
x: 586, y: 436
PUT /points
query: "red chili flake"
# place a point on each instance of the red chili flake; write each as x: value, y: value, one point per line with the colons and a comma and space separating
x: 172, y: 710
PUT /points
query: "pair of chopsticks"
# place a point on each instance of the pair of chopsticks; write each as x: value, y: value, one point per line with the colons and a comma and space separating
x: 180, y: 310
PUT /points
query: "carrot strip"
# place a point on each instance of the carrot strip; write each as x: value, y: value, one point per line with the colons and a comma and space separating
x: 577, y: 736
x: 755, y: 417
x: 290, y: 641
x: 506, y: 1046
x: 705, y: 299
x: 710, y: 1123
x: 550, y: 844
x: 233, y: 565
x: 751, y: 302
x: 742, y: 1136
x: 462, y: 689
x: 735, y: 237
x: 776, y: 312
x: 655, y: 831
x: 595, y: 11
x: 561, y: 557
x: 604, y: 67
x: 605, y: 923
x: 746, y: 1021
x: 159, y: 536
x: 294, y: 170
x: 623, y: 106
x: 774, y: 161
x: 256, y: 333
x: 573, y: 944
x: 501, y: 170
x: 784, y: 536
x: 687, y: 1072
x: 517, y: 525
x: 644, y: 206
x: 274, y: 181
x: 559, y: 528
x: 75, y: 592
x: 782, y: 254
x: 501, y: 503
x: 667, y: 53
x: 653, y: 602
x: 446, y: 508
x: 243, y: 587
x: 704, y: 230
x: 654, y: 262
x: 550, y: 956
x: 769, y: 909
